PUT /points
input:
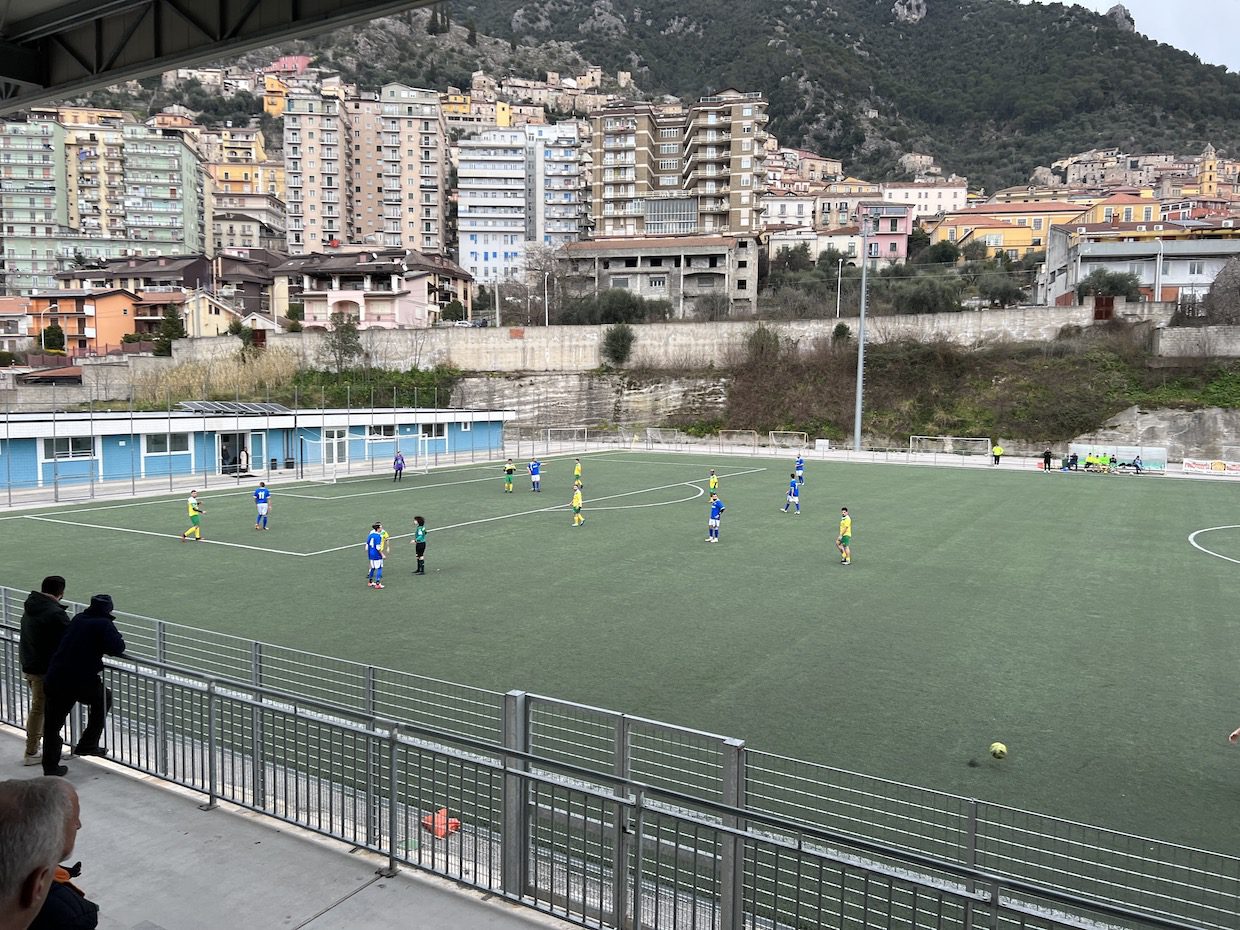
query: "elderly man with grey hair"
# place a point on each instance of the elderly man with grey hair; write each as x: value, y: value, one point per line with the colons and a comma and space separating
x: 38, y: 829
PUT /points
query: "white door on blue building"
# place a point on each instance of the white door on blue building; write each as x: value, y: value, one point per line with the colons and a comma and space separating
x: 335, y: 446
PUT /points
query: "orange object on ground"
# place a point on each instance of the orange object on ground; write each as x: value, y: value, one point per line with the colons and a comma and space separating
x: 440, y: 823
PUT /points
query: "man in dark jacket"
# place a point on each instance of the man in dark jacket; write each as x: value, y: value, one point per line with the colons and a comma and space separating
x: 44, y: 621
x: 74, y: 676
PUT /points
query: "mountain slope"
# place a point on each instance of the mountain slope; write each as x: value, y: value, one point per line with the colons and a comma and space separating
x: 990, y: 87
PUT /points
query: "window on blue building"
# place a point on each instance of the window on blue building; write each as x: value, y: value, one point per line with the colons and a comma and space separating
x: 74, y: 447
x: 159, y: 443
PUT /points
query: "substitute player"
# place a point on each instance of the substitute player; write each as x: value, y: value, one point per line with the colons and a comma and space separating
x: 535, y: 470
x: 712, y: 483
x: 195, y: 518
x: 419, y: 544
x: 578, y: 519
x: 375, y: 542
x: 794, y: 494
x: 509, y: 471
x: 262, y: 499
x: 712, y: 522
x: 799, y: 471
x: 844, y: 540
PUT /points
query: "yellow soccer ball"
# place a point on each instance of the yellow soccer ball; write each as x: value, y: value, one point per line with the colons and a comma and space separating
x: 998, y: 750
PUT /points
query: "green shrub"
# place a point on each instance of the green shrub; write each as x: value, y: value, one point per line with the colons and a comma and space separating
x: 618, y: 344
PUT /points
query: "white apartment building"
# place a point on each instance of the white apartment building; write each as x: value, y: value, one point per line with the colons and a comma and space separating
x: 517, y: 187
x: 931, y: 197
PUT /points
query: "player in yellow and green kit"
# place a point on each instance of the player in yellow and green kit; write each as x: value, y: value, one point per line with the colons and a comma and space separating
x: 509, y: 471
x: 843, y: 541
x: 578, y: 519
x: 577, y: 472
x: 194, y: 506
x: 713, y: 482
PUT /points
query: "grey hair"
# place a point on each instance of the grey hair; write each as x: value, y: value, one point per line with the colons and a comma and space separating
x: 33, y: 814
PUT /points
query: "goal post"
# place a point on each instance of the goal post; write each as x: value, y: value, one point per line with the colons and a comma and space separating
x: 738, y: 438
x: 575, y: 437
x: 664, y: 436
x: 788, y: 439
x: 951, y: 445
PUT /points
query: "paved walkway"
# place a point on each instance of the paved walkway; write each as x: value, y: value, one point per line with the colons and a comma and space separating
x: 152, y: 860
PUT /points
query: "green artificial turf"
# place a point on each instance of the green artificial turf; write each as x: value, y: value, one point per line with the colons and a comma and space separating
x: 1066, y: 615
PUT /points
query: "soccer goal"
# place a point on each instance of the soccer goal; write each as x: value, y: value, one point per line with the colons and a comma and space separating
x: 381, y: 452
x: 952, y: 445
x: 664, y: 436
x: 788, y: 439
x: 738, y: 439
x: 573, y: 437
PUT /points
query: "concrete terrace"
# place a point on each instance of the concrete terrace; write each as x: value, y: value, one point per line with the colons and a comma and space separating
x: 153, y: 860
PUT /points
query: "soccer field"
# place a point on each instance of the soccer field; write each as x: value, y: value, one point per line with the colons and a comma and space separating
x: 1066, y: 615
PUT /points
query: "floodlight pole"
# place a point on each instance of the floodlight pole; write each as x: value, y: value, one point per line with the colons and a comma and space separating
x: 839, y: 285
x: 865, y: 267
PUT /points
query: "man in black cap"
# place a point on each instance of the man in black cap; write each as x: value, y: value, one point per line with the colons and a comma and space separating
x: 74, y: 677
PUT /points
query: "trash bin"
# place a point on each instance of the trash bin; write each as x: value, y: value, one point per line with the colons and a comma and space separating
x: 288, y: 462
x: 274, y: 464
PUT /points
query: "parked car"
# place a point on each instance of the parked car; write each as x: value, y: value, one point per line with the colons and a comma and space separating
x: 462, y: 323
x: 480, y: 323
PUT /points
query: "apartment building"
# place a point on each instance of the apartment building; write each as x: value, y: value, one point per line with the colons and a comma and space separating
x: 413, y: 147
x: 669, y: 170
x: 518, y: 187
x: 679, y: 269
x: 930, y: 196
x: 83, y: 183
x: 318, y: 171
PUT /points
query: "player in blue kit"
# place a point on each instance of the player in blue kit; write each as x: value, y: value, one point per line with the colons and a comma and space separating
x: 535, y: 469
x: 374, y: 552
x: 716, y: 514
x: 262, y: 498
x: 794, y: 494
x: 799, y: 471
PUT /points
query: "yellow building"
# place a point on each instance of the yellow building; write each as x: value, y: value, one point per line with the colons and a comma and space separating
x: 851, y: 185
x: 275, y: 95
x: 1121, y: 208
x: 503, y: 114
x: 1035, y: 218
x: 455, y: 104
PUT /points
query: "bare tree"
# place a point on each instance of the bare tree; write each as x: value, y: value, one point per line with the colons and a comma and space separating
x: 546, y: 274
x: 1222, y: 303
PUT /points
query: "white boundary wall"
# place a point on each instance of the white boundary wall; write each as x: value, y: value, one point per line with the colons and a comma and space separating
x: 660, y: 345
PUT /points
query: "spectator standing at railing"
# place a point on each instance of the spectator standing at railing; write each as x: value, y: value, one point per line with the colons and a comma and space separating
x: 39, y: 821
x: 44, y: 621
x: 75, y: 677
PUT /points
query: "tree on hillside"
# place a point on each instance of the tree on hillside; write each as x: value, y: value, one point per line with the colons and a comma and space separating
x: 1000, y: 289
x: 941, y: 253
x: 53, y: 337
x: 341, y: 343
x: 618, y: 344
x: 1222, y: 303
x: 1104, y: 283
x: 918, y: 242
x: 795, y: 258
x: 170, y: 329
x: 974, y: 251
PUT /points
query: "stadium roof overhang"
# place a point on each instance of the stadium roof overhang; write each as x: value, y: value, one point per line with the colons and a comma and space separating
x: 52, y: 49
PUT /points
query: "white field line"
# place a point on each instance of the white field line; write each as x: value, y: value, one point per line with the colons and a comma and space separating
x: 1192, y: 541
x: 123, y: 529
x: 554, y: 507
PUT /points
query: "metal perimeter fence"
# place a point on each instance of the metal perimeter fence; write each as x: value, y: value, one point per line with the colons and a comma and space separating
x: 605, y: 819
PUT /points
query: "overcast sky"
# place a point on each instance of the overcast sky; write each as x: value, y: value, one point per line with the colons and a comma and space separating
x: 1208, y: 28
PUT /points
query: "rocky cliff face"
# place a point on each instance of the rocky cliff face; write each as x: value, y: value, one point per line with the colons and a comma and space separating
x: 589, y: 399
x: 1123, y: 20
x: 909, y: 11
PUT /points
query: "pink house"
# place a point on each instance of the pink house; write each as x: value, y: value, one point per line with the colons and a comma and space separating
x: 890, y: 226
x: 381, y: 289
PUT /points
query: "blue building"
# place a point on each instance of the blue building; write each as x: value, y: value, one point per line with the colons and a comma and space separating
x: 53, y: 450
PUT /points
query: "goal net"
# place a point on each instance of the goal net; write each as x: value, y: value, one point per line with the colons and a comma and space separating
x: 382, y: 454
x: 663, y: 436
x: 573, y: 437
x: 322, y: 461
x: 953, y: 445
x: 788, y: 439
x: 738, y: 438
